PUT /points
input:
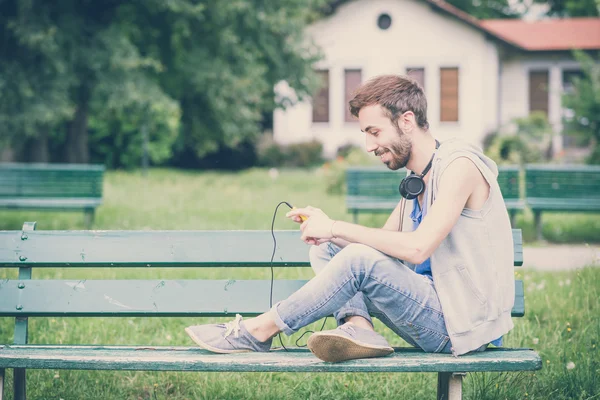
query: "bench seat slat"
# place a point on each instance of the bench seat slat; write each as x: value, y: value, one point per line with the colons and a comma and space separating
x: 297, y: 360
x: 159, y: 248
x: 153, y: 297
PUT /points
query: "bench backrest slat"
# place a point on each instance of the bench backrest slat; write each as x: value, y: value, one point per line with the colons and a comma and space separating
x: 50, y: 180
x: 563, y: 182
x: 369, y: 183
x: 122, y: 298
x: 60, y: 249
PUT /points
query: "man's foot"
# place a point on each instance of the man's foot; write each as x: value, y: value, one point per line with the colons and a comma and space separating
x: 231, y: 337
x: 348, y: 342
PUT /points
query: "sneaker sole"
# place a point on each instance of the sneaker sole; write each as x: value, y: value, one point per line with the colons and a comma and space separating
x: 335, y: 348
x: 208, y: 347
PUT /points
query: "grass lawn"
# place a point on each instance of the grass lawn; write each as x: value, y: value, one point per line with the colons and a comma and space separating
x: 562, y: 318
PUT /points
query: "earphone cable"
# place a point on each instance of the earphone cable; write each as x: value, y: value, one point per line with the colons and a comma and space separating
x: 272, y: 276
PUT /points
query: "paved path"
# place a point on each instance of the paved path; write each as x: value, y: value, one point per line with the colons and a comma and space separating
x: 561, y: 257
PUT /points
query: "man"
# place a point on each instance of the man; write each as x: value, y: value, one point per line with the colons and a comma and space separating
x: 440, y: 271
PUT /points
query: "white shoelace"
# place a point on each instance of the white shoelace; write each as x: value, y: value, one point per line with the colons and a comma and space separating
x: 233, y: 327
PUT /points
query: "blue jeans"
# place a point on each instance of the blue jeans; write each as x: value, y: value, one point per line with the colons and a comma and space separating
x: 361, y: 281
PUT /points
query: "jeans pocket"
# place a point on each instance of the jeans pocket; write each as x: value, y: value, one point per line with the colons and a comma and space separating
x: 428, y: 340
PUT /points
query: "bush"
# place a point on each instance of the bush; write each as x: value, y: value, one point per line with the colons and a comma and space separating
x: 335, y: 171
x: 525, y: 140
x: 302, y: 155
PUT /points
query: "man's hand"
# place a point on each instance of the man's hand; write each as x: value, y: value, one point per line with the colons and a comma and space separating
x: 318, y: 226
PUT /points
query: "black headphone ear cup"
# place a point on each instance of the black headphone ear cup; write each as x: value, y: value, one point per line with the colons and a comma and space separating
x: 411, y: 187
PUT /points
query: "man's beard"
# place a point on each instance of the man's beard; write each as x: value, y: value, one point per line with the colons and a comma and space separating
x: 400, y: 151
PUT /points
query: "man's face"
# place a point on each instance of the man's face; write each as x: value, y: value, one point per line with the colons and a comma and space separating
x: 383, y: 138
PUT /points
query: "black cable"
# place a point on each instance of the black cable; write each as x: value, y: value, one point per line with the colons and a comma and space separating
x: 272, y: 275
x: 271, y: 262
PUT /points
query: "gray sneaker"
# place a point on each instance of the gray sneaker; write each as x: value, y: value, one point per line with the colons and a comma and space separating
x: 348, y: 342
x: 231, y: 337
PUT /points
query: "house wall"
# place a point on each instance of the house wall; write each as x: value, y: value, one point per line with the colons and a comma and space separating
x: 515, y: 87
x: 418, y: 37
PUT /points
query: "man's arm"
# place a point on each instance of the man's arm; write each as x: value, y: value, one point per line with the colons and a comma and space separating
x: 457, y: 184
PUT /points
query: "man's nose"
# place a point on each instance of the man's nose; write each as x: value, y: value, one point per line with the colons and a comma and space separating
x: 370, y: 144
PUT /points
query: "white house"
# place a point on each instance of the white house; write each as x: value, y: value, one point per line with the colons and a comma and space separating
x: 477, y: 75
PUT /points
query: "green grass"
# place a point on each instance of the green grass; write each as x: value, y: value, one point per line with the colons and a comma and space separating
x: 562, y: 320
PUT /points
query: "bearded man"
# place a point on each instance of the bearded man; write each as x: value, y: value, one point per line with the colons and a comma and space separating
x: 439, y: 273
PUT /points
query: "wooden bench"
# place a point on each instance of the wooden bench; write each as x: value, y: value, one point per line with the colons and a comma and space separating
x: 64, y: 187
x: 375, y: 189
x: 574, y: 188
x: 26, y: 297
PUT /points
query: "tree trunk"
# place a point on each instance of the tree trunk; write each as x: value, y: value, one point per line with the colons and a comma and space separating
x: 77, y: 134
x: 7, y: 154
x: 37, y: 148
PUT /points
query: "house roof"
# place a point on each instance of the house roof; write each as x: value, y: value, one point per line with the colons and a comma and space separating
x: 545, y: 35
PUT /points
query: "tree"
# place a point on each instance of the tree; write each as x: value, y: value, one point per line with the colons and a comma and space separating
x: 198, y: 71
x: 58, y: 58
x: 572, y: 8
x: 486, y: 9
x: 34, y: 81
x: 584, y: 102
x: 223, y: 61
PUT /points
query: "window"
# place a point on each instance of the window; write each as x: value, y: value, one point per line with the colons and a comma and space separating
x: 418, y: 74
x: 538, y: 91
x: 384, y: 21
x: 352, y: 80
x: 321, y: 99
x: 449, y: 94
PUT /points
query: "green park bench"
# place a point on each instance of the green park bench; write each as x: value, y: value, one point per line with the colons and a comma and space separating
x: 28, y: 297
x: 64, y: 187
x: 375, y: 189
x: 571, y: 188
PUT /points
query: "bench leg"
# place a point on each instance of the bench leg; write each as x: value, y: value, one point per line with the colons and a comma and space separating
x: 450, y: 385
x: 19, y: 386
x: 513, y: 214
x: 537, y: 217
x: 1, y: 383
x: 355, y: 217
x: 88, y: 218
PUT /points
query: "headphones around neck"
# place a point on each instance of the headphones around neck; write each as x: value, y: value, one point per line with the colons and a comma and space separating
x: 413, y: 185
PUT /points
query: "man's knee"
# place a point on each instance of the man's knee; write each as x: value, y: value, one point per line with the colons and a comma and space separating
x: 319, y: 256
x: 360, y: 251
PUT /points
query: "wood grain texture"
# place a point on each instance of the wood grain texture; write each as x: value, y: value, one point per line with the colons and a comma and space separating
x: 187, y: 298
x: 160, y: 248
x: 296, y: 360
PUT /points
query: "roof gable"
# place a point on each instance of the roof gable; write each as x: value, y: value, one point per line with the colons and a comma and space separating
x: 545, y: 35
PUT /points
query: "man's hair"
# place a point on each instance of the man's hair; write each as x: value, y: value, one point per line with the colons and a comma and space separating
x: 396, y: 94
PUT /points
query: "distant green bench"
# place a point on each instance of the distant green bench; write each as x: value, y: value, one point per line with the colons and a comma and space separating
x: 550, y: 187
x: 375, y: 189
x: 64, y: 187
x: 26, y: 297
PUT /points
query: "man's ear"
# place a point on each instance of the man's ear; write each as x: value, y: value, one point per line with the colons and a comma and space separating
x: 407, y: 122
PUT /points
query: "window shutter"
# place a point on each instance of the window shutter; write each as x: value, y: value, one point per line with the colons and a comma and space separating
x: 418, y: 74
x: 321, y: 99
x: 449, y: 94
x: 538, y: 91
x: 352, y: 80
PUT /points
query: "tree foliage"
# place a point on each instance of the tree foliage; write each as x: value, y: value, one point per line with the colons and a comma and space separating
x: 584, y: 102
x: 198, y: 73
x: 572, y: 8
x: 486, y: 9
